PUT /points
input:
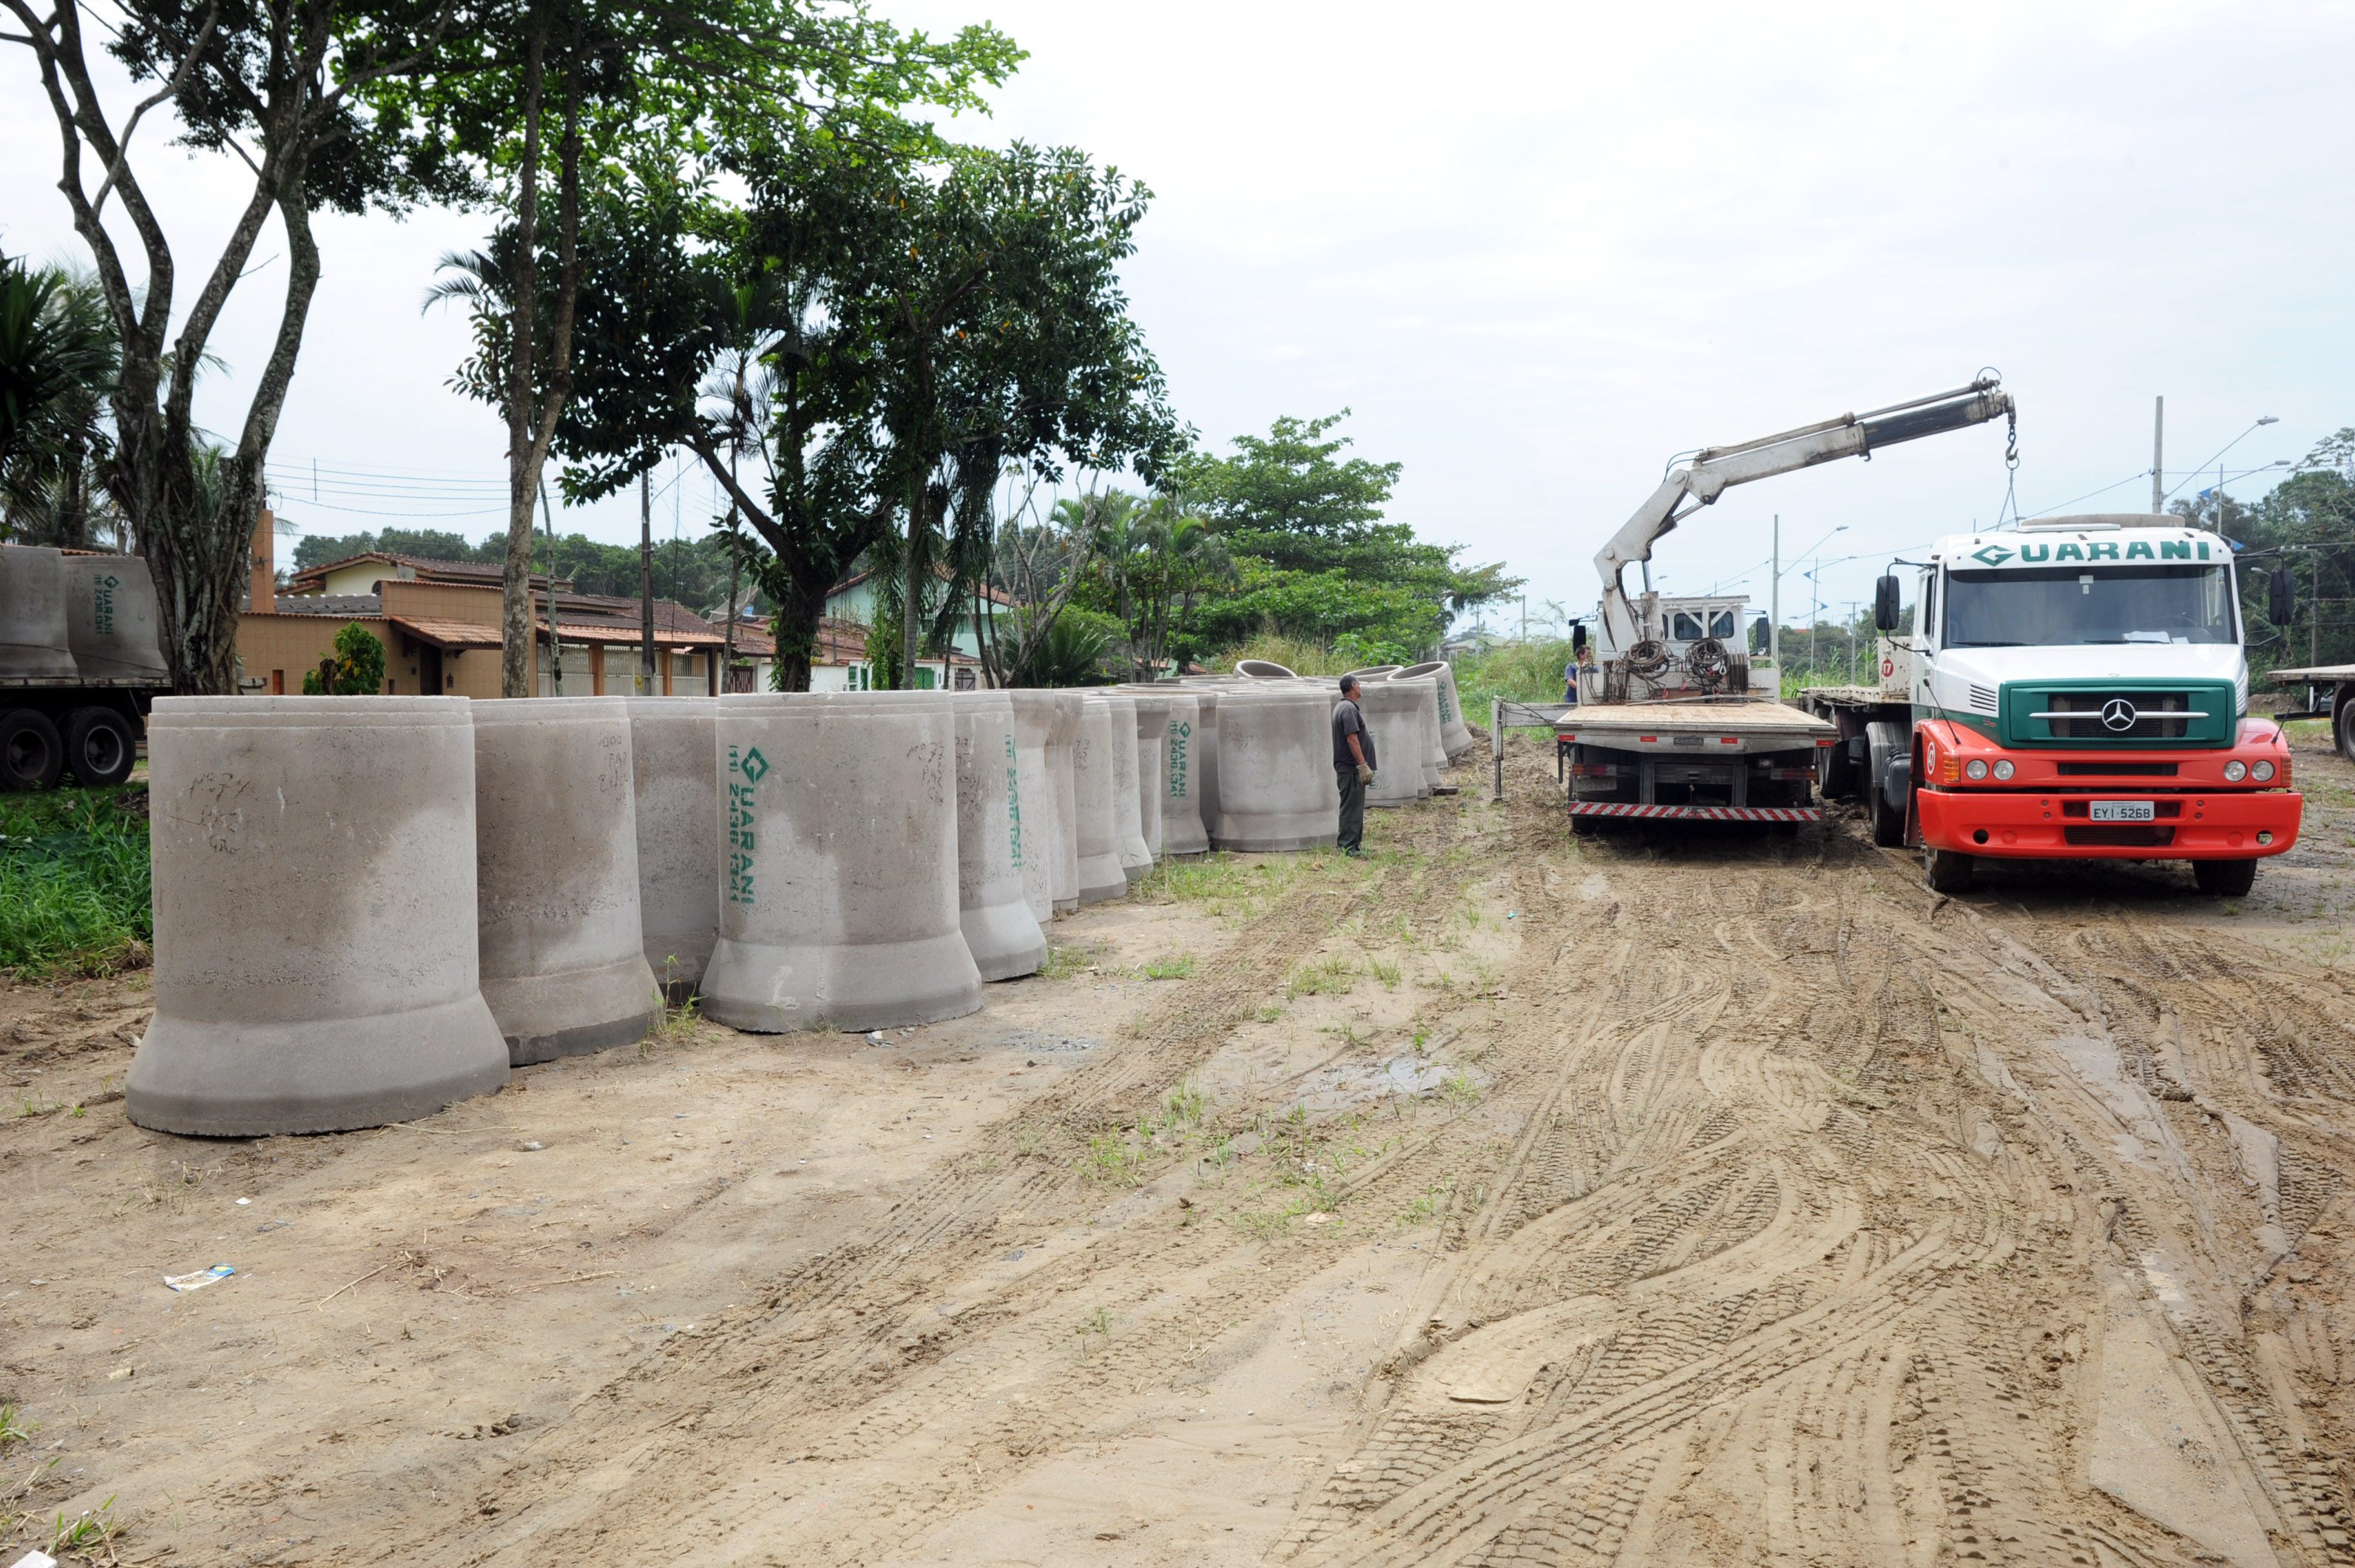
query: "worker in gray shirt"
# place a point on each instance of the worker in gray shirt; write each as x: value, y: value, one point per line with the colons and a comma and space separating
x: 1353, y: 764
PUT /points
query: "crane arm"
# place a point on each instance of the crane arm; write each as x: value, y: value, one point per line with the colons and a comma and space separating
x: 1700, y: 481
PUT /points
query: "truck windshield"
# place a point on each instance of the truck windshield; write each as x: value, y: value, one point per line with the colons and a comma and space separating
x: 2047, y: 606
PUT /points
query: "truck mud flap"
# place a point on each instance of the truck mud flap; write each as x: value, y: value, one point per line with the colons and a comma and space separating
x: 1697, y: 813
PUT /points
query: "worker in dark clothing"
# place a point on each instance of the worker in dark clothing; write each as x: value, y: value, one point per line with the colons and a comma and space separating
x: 1353, y: 764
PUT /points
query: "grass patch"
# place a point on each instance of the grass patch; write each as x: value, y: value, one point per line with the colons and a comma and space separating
x: 1064, y: 960
x: 1226, y: 884
x: 1170, y: 966
x: 1525, y: 672
x: 1333, y: 977
x: 75, y: 896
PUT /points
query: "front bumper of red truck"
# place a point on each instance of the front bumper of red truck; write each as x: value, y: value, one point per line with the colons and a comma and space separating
x: 2219, y: 803
x: 2223, y: 826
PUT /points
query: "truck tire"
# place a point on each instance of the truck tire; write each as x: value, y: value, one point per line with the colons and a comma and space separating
x: 1885, y: 742
x: 2224, y: 878
x: 1835, y: 773
x: 31, y: 753
x: 1947, y: 870
x: 99, y: 747
x: 2343, y: 729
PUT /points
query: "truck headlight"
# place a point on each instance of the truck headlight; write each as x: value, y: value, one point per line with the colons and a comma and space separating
x: 2236, y: 770
x: 1975, y: 769
x: 2263, y: 773
x: 2003, y: 770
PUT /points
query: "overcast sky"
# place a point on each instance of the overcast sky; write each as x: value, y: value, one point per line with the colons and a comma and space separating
x: 1539, y: 249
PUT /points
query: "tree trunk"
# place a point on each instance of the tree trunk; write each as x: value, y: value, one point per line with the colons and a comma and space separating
x: 514, y: 573
x: 799, y: 609
x: 913, y: 567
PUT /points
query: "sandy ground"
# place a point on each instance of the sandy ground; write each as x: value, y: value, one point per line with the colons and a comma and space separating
x: 1500, y: 1197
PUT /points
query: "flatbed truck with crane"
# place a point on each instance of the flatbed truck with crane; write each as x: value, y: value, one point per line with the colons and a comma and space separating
x: 1675, y: 721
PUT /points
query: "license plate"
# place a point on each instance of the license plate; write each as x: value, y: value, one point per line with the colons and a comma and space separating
x: 2123, y: 811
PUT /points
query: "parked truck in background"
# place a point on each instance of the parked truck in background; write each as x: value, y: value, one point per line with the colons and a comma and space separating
x: 2076, y: 688
x: 80, y: 662
x: 1674, y: 720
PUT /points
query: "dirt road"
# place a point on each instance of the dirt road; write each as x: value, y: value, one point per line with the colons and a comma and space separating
x: 1499, y: 1198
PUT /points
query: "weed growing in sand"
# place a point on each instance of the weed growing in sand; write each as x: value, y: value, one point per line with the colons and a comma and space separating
x: 1333, y: 976
x: 1224, y: 883
x: 90, y: 1534
x: 673, y: 1025
x: 1170, y: 966
x: 1184, y: 1104
x: 1425, y: 1209
x: 1096, y: 1325
x: 1269, y: 1012
x: 1113, y: 1160
x: 12, y: 1428
x: 1064, y: 960
x: 1388, y: 974
x: 1459, y: 1090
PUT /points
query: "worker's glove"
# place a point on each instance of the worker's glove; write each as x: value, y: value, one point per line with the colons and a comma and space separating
x: 1365, y: 774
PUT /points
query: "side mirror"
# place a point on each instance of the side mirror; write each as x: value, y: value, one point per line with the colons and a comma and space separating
x: 1578, y: 638
x: 1886, y: 610
x: 1760, y: 638
x: 2281, y: 596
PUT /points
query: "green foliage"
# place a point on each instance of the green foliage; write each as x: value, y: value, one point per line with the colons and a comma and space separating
x: 2305, y: 525
x: 1517, y: 672
x: 1077, y: 649
x: 74, y: 890
x: 357, y: 669
x: 1314, y: 559
x: 691, y: 570
x: 58, y: 362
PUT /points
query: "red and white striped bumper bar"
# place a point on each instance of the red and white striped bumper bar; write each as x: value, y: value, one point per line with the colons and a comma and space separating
x: 1697, y: 813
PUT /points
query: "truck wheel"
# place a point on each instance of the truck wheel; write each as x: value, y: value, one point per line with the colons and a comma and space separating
x: 2346, y: 729
x: 2224, y: 878
x: 31, y: 755
x: 1835, y: 773
x: 1888, y: 822
x: 99, y: 747
x: 1947, y: 870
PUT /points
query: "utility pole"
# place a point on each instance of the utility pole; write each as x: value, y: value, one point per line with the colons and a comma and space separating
x: 1774, y: 603
x: 1851, y: 643
x: 1525, y: 619
x: 555, y: 643
x: 647, y: 584
x: 2158, y: 457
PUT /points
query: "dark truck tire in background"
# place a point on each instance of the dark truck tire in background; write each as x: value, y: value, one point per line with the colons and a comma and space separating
x: 32, y: 753
x: 99, y: 747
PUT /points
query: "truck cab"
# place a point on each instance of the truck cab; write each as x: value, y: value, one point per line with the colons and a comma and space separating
x: 2078, y: 688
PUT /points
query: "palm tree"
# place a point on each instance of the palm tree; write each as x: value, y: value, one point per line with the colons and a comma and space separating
x: 58, y: 359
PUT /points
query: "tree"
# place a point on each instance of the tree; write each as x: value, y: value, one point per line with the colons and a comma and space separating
x: 622, y: 90
x: 58, y: 359
x: 355, y: 669
x: 1002, y: 332
x: 1313, y: 556
x: 282, y: 85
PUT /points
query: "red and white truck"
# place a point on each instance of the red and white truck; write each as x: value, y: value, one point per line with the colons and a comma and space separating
x: 2074, y: 688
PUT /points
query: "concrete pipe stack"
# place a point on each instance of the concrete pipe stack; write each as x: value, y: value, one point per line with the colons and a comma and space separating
x: 1182, y: 745
x: 33, y: 636
x: 839, y: 894
x: 1127, y: 805
x: 1452, y: 733
x: 1264, y: 669
x: 1430, y: 750
x: 1095, y: 786
x: 1152, y: 753
x: 993, y: 909
x: 315, y: 895
x: 1063, y: 776
x: 1205, y: 759
x: 1393, y: 711
x: 1036, y: 830
x: 675, y: 780
x: 1276, y: 767
x: 555, y: 855
x: 113, y: 629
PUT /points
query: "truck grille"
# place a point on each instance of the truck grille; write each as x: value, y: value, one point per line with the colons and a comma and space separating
x: 2145, y: 715
x: 2100, y: 715
x: 2116, y: 769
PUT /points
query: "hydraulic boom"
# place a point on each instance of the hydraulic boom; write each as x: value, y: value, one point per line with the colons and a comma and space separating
x: 1700, y: 481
